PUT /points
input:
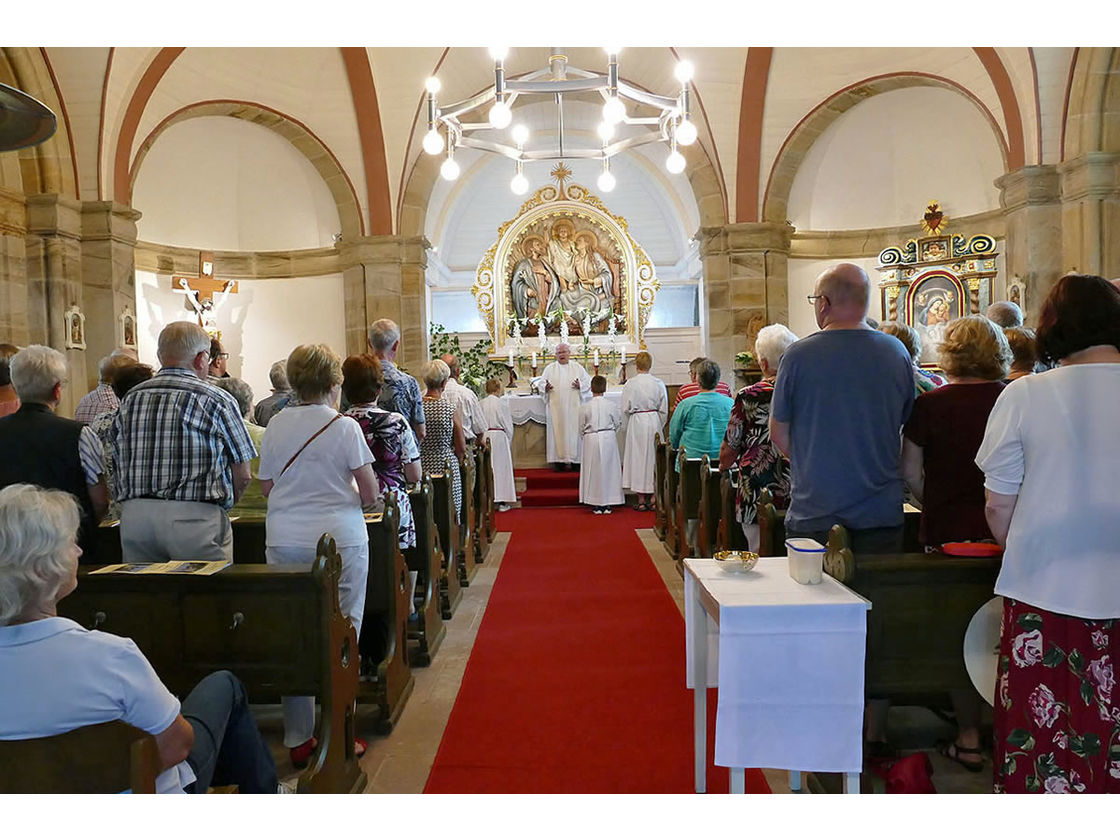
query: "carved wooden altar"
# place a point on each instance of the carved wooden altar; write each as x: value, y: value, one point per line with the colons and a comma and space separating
x: 935, y: 279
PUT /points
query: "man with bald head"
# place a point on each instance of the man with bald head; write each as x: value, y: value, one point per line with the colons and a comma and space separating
x: 840, y: 401
x: 1005, y: 314
x: 464, y: 399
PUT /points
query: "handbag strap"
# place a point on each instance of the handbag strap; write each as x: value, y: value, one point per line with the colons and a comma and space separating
x: 307, y: 443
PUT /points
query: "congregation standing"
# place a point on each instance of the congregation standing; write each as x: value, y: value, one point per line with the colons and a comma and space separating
x: 842, y: 424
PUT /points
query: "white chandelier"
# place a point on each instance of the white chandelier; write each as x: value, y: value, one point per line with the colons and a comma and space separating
x: 672, y: 126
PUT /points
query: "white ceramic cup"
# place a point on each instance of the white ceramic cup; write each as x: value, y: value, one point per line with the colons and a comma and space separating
x: 806, y: 560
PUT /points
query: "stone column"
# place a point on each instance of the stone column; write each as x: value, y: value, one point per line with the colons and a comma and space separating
x: 108, y: 277
x: 54, y: 281
x: 1090, y: 187
x: 14, y: 318
x: 383, y: 277
x: 746, y: 270
x: 1030, y: 198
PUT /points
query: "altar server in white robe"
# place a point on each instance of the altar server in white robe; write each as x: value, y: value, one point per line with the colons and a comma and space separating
x: 645, y: 408
x: 499, y: 431
x: 567, y: 385
x: 600, y: 477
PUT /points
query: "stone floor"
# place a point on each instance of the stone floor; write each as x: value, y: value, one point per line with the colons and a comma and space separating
x: 401, y: 761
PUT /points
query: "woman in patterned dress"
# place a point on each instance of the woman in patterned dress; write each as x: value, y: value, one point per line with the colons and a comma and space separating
x: 396, y: 457
x: 1050, y: 459
x: 747, y: 441
x: 444, y: 439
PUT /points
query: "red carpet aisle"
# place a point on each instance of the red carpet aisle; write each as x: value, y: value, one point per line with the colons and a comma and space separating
x: 576, y: 680
x: 548, y: 488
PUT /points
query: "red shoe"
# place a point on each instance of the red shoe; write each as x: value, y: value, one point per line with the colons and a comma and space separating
x: 359, y: 747
x: 302, y: 754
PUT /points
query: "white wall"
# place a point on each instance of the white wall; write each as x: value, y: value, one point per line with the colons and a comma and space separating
x: 260, y: 324
x: 224, y: 184
x: 881, y: 162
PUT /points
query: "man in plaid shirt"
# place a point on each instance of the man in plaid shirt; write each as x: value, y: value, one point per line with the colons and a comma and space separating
x: 181, y: 456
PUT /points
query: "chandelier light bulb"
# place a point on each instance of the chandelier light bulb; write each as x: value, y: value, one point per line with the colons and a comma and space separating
x: 614, y: 111
x: 433, y: 142
x: 612, y: 50
x: 500, y: 115
x: 606, y: 131
x: 519, y: 184
x: 675, y: 162
x: 686, y: 133
x: 499, y: 53
x: 520, y: 134
x: 683, y: 71
x: 449, y: 170
x: 606, y: 181
x: 432, y: 85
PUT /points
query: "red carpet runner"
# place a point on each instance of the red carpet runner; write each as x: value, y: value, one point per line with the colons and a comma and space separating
x: 548, y: 488
x: 576, y: 680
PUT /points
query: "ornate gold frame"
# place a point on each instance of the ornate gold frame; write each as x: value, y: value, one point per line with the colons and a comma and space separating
x: 571, y: 201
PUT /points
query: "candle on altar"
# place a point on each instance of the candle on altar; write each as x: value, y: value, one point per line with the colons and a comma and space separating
x: 534, y: 358
x: 623, y: 351
x: 511, y: 357
x: 596, y: 356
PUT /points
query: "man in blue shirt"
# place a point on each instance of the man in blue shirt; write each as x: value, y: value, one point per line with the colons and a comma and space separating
x: 841, y: 398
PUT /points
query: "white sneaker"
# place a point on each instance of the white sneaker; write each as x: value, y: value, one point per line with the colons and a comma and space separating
x: 288, y: 785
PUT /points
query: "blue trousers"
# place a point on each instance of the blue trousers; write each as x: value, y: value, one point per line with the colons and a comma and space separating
x: 228, y: 748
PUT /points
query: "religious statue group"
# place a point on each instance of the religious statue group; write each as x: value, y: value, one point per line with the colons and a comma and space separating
x: 568, y: 272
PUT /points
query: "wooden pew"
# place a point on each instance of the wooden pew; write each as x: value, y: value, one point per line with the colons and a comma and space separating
x: 709, y: 509
x: 660, y: 508
x: 729, y: 536
x: 488, y: 471
x: 465, y: 563
x: 102, y: 758
x: 921, y: 605
x: 443, y: 508
x: 386, y: 675
x: 427, y: 560
x: 483, y: 501
x: 688, y: 503
x: 278, y: 628
x: 672, y: 535
x: 771, y: 527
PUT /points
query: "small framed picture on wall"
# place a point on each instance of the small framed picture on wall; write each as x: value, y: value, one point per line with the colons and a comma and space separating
x: 75, y: 323
x: 128, y: 328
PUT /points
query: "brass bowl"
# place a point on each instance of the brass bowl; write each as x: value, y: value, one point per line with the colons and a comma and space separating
x: 741, y: 560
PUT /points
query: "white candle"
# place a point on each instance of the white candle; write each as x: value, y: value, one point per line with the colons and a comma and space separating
x: 596, y: 355
x: 511, y: 357
x: 534, y: 358
x: 623, y: 351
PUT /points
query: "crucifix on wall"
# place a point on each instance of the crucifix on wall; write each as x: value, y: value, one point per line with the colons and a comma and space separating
x: 200, y: 292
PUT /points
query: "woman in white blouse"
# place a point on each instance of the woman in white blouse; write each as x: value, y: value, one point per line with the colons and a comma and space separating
x: 315, y: 470
x: 1051, y: 463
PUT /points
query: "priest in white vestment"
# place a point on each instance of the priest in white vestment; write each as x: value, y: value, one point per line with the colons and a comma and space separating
x: 499, y: 431
x: 600, y: 476
x: 567, y: 385
x: 645, y: 408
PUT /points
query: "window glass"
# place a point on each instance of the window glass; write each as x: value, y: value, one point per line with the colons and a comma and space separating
x: 456, y: 310
x: 675, y: 306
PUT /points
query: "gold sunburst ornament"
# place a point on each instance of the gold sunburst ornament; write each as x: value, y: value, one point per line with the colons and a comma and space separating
x: 934, y: 219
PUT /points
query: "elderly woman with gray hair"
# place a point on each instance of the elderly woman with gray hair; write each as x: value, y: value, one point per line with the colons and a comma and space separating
x: 252, y: 501
x: 444, y: 439
x: 747, y: 443
x: 58, y: 676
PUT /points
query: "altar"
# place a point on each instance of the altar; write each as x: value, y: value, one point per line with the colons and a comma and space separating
x: 528, y: 413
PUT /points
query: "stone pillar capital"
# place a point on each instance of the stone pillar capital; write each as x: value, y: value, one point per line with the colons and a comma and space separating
x: 745, y: 237
x: 54, y: 215
x: 1093, y: 175
x: 383, y: 250
x: 1031, y: 185
x: 109, y: 220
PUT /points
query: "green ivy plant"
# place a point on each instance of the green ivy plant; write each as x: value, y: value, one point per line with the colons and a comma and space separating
x: 745, y: 359
x: 475, y: 364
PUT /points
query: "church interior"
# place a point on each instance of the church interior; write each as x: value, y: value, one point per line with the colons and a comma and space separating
x: 488, y: 204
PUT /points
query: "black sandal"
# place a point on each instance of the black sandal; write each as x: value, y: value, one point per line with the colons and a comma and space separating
x: 954, y: 752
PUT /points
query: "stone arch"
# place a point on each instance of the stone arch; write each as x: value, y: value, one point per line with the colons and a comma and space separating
x: 1092, y: 119
x: 797, y: 144
x: 300, y: 136
x: 48, y: 168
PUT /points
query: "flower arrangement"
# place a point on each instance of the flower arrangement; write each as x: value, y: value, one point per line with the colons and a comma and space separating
x: 745, y: 359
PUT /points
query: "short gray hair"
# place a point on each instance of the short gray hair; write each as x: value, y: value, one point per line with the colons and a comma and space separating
x: 240, y: 390
x: 435, y: 373
x: 383, y: 334
x: 35, y: 370
x: 278, y: 375
x: 180, y: 342
x: 1006, y: 313
x: 36, y: 526
x: 117, y: 360
x: 707, y: 374
x: 772, y: 342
